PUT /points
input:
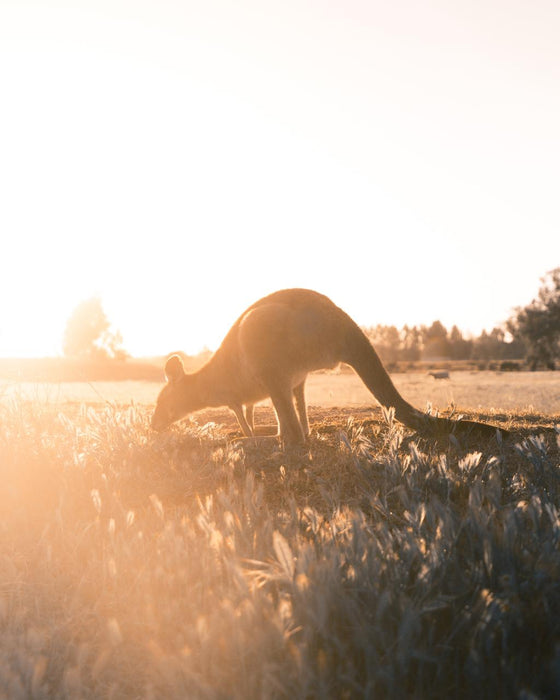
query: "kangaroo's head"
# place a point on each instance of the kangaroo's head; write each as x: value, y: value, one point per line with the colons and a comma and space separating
x: 177, y: 397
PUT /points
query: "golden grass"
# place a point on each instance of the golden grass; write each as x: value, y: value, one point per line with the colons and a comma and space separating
x: 187, y: 564
x: 506, y: 391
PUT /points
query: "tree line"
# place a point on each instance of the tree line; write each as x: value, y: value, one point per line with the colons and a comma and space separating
x: 436, y: 343
x: 531, y: 334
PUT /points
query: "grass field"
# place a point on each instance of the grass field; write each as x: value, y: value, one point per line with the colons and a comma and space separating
x: 504, y: 391
x: 189, y: 564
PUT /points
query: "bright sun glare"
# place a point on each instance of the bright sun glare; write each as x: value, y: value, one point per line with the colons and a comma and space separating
x: 179, y: 161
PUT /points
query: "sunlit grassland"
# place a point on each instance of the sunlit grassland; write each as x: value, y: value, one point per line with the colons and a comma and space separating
x: 188, y: 565
x: 539, y: 391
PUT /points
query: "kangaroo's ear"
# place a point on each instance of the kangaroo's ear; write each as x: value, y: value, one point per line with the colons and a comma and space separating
x: 174, y: 370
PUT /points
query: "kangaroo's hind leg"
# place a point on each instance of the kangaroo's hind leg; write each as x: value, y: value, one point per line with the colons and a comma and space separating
x: 301, y: 407
x: 250, y: 416
x: 245, y: 425
x: 291, y: 430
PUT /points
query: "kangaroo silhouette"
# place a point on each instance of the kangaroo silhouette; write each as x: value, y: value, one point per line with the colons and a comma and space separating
x: 270, y: 350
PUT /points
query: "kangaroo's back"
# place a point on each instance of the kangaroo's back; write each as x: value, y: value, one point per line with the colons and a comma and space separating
x: 295, y: 329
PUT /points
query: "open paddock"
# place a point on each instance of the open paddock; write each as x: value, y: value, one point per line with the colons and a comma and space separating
x: 191, y: 564
x: 499, y: 391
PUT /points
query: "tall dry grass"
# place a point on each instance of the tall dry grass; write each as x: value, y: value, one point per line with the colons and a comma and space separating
x: 181, y: 565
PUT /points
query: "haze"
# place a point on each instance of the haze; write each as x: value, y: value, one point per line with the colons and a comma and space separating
x: 181, y: 159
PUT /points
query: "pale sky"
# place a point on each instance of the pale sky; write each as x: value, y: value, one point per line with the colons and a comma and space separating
x: 181, y: 159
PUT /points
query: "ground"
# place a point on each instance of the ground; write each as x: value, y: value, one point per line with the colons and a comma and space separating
x: 193, y: 563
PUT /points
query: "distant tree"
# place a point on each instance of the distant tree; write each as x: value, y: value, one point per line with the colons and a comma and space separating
x: 411, y: 343
x: 392, y: 343
x: 459, y: 347
x: 88, y: 334
x: 513, y: 348
x: 489, y: 346
x: 436, y: 342
x: 538, y: 324
x: 386, y: 340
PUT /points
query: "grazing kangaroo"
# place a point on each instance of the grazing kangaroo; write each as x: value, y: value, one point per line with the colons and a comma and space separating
x: 270, y: 350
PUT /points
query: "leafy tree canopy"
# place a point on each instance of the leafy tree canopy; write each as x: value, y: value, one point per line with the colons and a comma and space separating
x: 538, y: 324
x: 88, y: 333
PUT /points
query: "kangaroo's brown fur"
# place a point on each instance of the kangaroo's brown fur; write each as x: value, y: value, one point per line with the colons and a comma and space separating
x: 270, y: 350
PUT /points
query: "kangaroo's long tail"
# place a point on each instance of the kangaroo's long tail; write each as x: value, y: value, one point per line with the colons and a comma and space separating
x: 361, y: 355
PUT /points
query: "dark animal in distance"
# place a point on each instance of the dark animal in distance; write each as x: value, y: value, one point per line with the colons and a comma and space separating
x: 270, y: 350
x: 439, y: 374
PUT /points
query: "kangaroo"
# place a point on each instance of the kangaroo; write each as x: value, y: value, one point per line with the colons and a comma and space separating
x: 268, y: 353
